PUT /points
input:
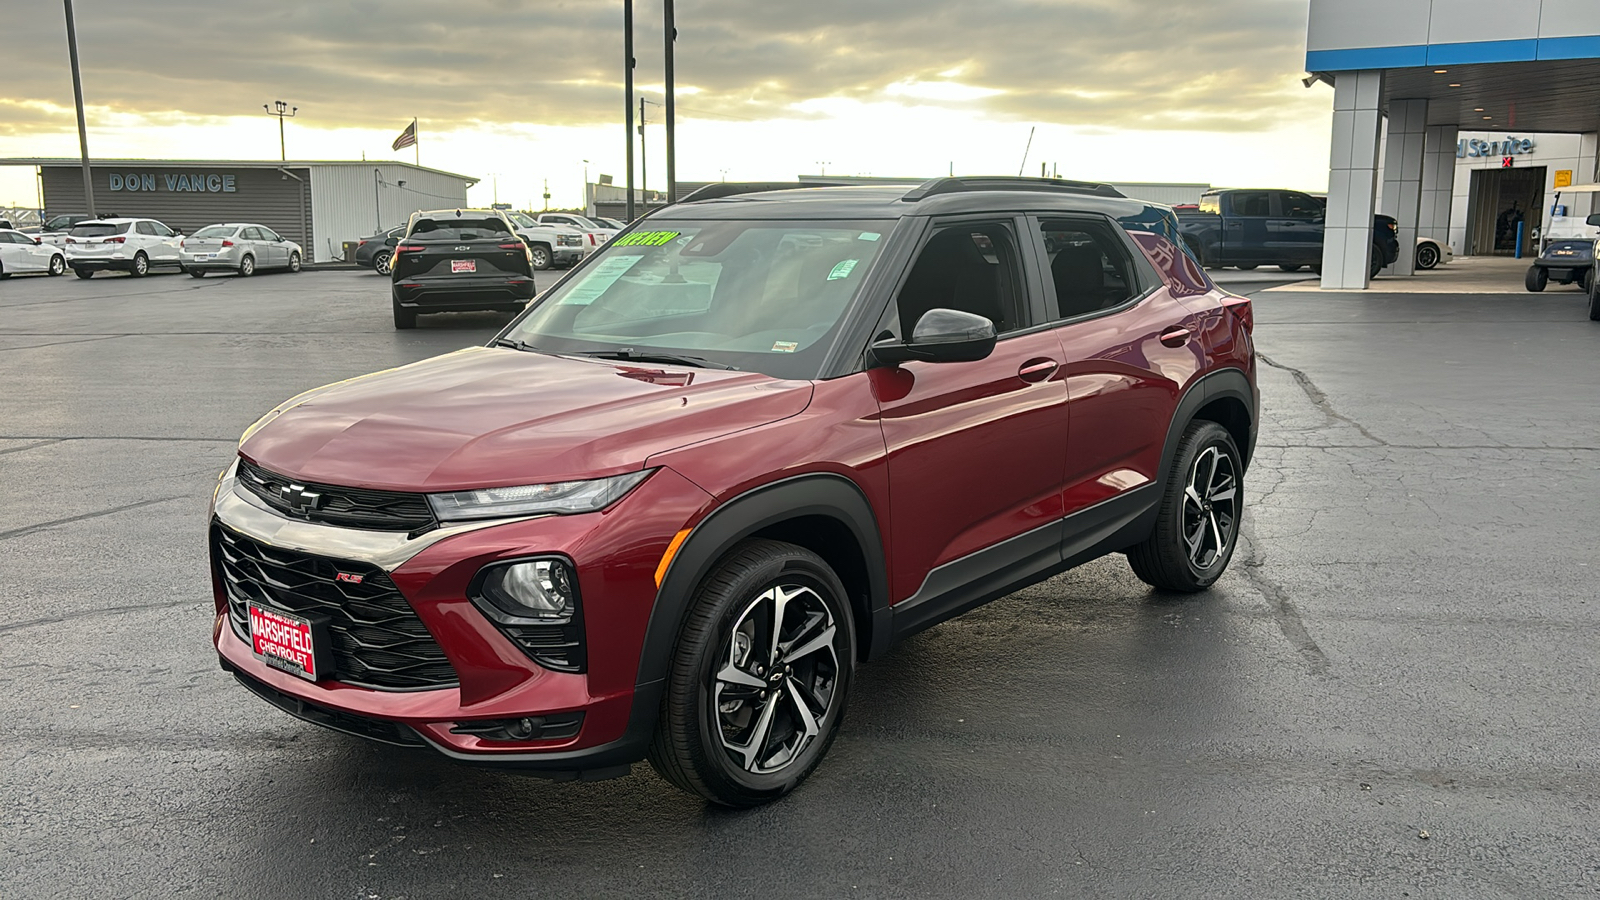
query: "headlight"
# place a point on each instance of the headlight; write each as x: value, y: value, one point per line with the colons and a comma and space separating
x: 560, y: 498
x: 540, y: 590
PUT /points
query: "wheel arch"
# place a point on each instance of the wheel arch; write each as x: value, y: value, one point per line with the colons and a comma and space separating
x: 1225, y: 397
x: 825, y: 513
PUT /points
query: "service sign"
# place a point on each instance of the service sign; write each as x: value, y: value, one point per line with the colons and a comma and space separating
x: 288, y: 642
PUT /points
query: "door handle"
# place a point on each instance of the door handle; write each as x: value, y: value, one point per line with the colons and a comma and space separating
x: 1235, y: 224
x: 1037, y: 369
x: 1176, y: 336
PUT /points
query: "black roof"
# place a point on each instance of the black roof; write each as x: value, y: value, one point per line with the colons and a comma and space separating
x: 941, y: 196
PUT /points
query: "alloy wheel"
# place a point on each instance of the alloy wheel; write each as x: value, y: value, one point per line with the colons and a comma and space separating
x: 381, y: 263
x: 57, y: 265
x: 1210, y: 508
x: 777, y: 678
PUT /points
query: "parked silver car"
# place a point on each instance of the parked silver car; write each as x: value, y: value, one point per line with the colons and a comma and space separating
x: 240, y: 247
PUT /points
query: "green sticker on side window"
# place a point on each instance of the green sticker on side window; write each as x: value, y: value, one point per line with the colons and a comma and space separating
x: 843, y: 269
x: 646, y: 239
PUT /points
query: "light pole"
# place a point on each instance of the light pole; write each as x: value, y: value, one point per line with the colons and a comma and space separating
x: 377, y: 207
x: 670, y: 29
x: 824, y: 164
x: 586, y: 187
x: 282, y: 111
x: 627, y: 94
x: 77, y: 96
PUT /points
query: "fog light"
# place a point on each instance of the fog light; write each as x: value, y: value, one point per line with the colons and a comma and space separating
x: 539, y: 590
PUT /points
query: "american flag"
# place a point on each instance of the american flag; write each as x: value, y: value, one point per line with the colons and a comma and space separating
x: 407, y: 138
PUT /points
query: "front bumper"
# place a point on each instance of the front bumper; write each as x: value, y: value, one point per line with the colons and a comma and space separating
x: 615, y: 552
x: 567, y: 256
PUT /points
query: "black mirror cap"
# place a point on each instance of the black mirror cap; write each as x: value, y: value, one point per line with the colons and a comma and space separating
x: 1594, y: 219
x: 941, y: 335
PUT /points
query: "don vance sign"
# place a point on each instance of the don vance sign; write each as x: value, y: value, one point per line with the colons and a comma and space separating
x: 149, y: 182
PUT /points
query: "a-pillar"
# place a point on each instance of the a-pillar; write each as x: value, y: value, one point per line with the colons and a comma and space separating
x: 1352, y: 179
x: 1438, y: 182
x: 1402, y: 177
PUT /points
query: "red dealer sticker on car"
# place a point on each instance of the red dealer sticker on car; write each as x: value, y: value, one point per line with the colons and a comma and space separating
x: 286, y: 642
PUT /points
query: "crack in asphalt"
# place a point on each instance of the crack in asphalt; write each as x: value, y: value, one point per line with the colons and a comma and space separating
x: 56, y: 438
x: 1319, y: 399
x: 34, y: 446
x: 7, y: 628
x: 86, y: 340
x: 30, y: 529
x: 1284, y: 612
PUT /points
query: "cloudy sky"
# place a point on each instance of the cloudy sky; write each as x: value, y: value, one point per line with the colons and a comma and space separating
x: 521, y: 91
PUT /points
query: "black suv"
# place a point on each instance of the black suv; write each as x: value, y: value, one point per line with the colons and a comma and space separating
x: 459, y: 259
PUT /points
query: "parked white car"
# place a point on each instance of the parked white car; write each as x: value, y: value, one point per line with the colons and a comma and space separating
x: 26, y: 253
x: 1432, y: 253
x: 134, y: 246
x: 550, y: 244
x: 242, y: 247
x: 594, y: 234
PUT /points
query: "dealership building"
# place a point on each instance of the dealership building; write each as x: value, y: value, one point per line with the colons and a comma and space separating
x: 320, y: 205
x: 1462, y: 119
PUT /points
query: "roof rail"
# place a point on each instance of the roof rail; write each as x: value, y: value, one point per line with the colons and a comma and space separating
x: 1008, y: 183
x: 733, y: 188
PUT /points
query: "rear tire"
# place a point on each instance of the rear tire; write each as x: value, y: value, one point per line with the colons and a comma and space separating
x: 1427, y: 256
x: 1377, y: 264
x: 1536, y: 279
x: 1245, y: 267
x: 141, y: 265
x: 734, y: 728
x: 196, y: 273
x: 404, y: 318
x: 1587, y: 280
x: 1197, y: 524
x: 380, y: 262
x: 1594, y: 304
x: 247, y: 266
x: 1290, y: 268
x: 82, y: 273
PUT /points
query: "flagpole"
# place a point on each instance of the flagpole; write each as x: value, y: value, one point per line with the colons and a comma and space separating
x: 417, y: 143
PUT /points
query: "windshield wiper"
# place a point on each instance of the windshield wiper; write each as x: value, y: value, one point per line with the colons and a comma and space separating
x: 632, y: 355
x: 514, y: 344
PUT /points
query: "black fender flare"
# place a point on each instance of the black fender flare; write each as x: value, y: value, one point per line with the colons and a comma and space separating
x: 1223, y: 383
x: 823, y: 494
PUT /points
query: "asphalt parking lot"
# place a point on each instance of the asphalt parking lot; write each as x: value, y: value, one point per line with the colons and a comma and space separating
x: 1392, y: 692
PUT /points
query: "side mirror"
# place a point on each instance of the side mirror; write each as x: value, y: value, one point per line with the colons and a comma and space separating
x: 1594, y: 219
x: 941, y: 335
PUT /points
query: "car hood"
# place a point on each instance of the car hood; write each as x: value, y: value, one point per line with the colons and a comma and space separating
x: 485, y: 417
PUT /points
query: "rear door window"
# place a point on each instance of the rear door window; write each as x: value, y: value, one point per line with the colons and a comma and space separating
x: 463, y: 229
x: 1090, y: 269
x: 1300, y: 206
x: 148, y: 228
x: 1252, y: 203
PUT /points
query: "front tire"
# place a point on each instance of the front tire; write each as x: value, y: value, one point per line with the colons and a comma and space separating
x: 1197, y: 525
x: 294, y: 263
x: 247, y: 266
x: 1246, y: 267
x: 1536, y: 279
x: 1427, y: 256
x: 1376, y: 264
x: 58, y: 265
x: 759, y: 678
x: 141, y: 265
x: 539, y: 256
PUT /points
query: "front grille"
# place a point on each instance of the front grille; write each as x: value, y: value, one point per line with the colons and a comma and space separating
x: 378, y: 640
x: 345, y: 507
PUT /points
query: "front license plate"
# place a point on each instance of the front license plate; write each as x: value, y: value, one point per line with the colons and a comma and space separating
x: 294, y: 644
x: 463, y: 265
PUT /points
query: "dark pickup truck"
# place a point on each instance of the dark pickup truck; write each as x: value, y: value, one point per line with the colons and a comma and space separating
x: 1250, y: 228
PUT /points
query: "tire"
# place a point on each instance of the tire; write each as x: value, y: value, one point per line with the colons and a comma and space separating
x: 1316, y: 269
x: 1205, y: 487
x: 196, y: 273
x: 404, y: 319
x: 247, y: 266
x: 82, y: 273
x: 380, y: 262
x: 730, y: 735
x: 58, y: 265
x: 141, y: 265
x: 540, y: 256
x: 1290, y: 268
x: 1245, y: 267
x: 1377, y: 263
x: 1587, y: 281
x: 1536, y: 279
x: 3, y: 273
x: 1427, y: 256
x: 294, y: 263
x: 1594, y: 305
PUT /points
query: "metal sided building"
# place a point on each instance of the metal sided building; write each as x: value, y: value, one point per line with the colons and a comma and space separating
x: 317, y: 204
x: 1431, y: 72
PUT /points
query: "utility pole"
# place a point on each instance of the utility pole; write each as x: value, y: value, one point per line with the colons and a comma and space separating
x: 586, y: 187
x: 627, y: 92
x: 644, y: 178
x: 547, y: 195
x: 282, y: 111
x: 77, y: 96
x: 671, y: 32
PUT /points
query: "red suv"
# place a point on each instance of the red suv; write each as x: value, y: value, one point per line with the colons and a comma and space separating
x: 751, y: 443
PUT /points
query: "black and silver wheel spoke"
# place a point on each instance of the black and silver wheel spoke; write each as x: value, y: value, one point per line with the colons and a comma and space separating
x: 775, y: 683
x: 1210, y: 505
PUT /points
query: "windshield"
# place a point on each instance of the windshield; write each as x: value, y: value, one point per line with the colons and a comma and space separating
x: 608, y: 223
x: 214, y: 231
x: 522, y: 220
x: 759, y: 296
x: 98, y: 229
